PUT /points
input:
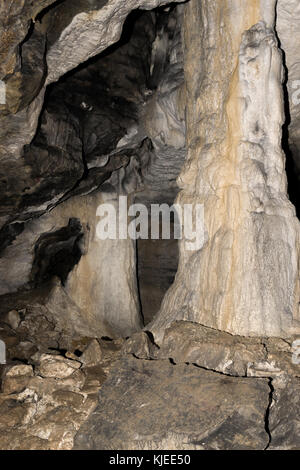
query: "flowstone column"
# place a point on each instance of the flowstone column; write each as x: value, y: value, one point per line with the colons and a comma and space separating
x: 245, y: 278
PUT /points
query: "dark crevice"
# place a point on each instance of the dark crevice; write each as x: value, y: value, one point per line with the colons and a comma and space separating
x: 267, y: 415
x: 57, y: 253
x: 126, y: 36
x: 78, y: 353
x: 219, y: 372
x: 62, y: 352
x: 138, y: 285
x: 27, y: 37
x: 46, y: 10
x: 157, y: 264
x: 9, y: 233
x: 19, y: 360
x: 151, y: 338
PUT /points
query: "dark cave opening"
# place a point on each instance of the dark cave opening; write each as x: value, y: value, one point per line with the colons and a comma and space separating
x: 291, y: 157
x: 157, y: 263
x: 77, y: 150
x: 57, y: 253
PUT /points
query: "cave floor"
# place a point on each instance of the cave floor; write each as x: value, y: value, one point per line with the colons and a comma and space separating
x: 199, y: 389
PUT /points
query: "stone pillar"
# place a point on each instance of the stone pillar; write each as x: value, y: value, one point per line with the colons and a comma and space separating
x: 245, y: 279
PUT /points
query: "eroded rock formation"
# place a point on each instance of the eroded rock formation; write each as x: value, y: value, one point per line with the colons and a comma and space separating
x: 245, y: 279
x: 111, y: 344
x: 116, y: 123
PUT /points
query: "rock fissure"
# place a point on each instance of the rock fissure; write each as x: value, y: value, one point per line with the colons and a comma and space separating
x: 267, y: 416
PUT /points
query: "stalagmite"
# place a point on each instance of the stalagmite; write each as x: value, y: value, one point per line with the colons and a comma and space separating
x: 245, y: 279
x: 149, y: 226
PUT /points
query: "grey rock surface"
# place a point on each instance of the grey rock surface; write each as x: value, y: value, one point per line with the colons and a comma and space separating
x: 288, y: 30
x: 156, y: 405
x: 186, y: 342
x: 114, y: 126
x: 284, y: 418
x: 61, y: 39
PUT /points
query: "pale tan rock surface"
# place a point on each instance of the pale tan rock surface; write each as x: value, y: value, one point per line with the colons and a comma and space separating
x: 100, y: 296
x: 245, y: 278
x: 43, y: 405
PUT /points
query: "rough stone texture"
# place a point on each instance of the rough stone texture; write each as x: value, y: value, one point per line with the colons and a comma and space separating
x: 116, y: 126
x: 185, y: 342
x: 89, y: 33
x: 62, y: 38
x: 284, y: 419
x: 141, y: 346
x: 245, y: 279
x: 100, y: 294
x: 45, y: 414
x: 15, y: 378
x: 288, y: 30
x: 138, y: 409
x: 43, y: 405
x: 15, y: 22
x: 92, y: 354
x: 52, y: 366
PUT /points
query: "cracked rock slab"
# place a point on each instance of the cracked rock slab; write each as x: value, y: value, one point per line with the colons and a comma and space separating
x: 143, y: 405
x: 284, y: 419
x: 222, y: 352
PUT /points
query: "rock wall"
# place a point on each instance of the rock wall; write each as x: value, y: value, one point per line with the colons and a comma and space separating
x: 39, y: 45
x: 288, y: 31
x: 97, y: 138
x: 245, y: 278
x: 222, y: 369
x: 99, y: 296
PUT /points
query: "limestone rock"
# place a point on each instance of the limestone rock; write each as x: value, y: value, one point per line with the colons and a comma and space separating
x: 46, y: 412
x: 64, y: 37
x: 186, y: 342
x: 139, y: 409
x: 15, y: 440
x: 90, y: 33
x: 211, y: 349
x: 16, y: 378
x: 140, y: 345
x: 13, y: 413
x: 134, y: 91
x: 19, y: 370
x: 87, y: 304
x: 284, y: 419
x: 288, y: 30
x: 56, y: 366
x: 244, y: 279
x: 94, y: 378
x: 13, y: 319
x: 92, y: 355
x: 198, y: 101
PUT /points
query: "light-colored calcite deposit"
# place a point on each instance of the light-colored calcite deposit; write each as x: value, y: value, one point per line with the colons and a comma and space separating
x: 245, y: 279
